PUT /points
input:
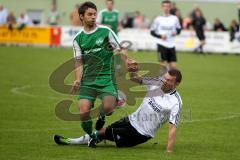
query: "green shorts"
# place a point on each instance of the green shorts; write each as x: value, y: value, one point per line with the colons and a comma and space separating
x: 92, y: 92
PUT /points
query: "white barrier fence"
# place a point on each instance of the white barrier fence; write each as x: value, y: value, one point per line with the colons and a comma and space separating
x: 216, y: 42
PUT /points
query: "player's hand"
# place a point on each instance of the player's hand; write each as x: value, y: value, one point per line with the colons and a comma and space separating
x: 132, y: 65
x: 174, y: 33
x: 163, y: 37
x: 75, y: 87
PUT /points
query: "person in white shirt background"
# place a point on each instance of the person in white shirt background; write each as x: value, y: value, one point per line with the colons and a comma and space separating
x: 165, y: 28
x: 3, y: 15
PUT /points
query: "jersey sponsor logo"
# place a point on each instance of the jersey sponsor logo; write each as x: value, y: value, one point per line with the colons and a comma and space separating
x: 99, y: 41
x: 167, y: 28
x: 154, y: 105
x: 92, y: 50
x: 110, y: 19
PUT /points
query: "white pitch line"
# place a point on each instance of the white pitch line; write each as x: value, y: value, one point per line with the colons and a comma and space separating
x: 18, y: 90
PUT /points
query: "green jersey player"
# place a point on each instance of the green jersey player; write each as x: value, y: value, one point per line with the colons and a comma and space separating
x: 110, y: 17
x: 94, y: 71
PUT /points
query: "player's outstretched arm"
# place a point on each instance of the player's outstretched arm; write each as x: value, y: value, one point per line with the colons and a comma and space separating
x: 132, y: 67
x: 78, y: 76
x: 171, y: 137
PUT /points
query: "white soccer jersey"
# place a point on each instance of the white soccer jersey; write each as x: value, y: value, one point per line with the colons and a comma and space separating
x: 166, y: 25
x: 156, y: 109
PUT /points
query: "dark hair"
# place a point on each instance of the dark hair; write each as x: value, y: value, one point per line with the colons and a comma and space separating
x: 84, y: 6
x: 110, y: 1
x: 166, y: 1
x: 176, y: 73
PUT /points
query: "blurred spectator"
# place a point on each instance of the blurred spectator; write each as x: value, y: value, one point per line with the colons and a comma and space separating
x: 53, y: 16
x: 199, y: 22
x: 24, y: 19
x: 11, y: 20
x: 178, y: 14
x: 174, y: 9
x: 234, y: 28
x: 138, y: 21
x: 218, y: 25
x: 209, y: 26
x: 239, y: 12
x: 127, y: 21
x: 3, y: 15
x: 110, y: 17
x: 187, y: 21
x: 74, y: 17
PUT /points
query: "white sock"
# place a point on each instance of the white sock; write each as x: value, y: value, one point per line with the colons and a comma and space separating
x: 81, y: 140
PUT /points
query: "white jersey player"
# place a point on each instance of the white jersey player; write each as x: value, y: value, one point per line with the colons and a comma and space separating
x: 165, y: 28
x: 161, y: 104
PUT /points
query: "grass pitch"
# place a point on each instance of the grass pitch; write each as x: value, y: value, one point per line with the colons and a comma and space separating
x: 210, y: 123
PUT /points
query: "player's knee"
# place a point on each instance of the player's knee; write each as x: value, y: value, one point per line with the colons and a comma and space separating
x: 84, y: 114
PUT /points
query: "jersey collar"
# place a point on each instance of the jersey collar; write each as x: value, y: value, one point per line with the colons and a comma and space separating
x: 90, y: 31
x: 173, y: 92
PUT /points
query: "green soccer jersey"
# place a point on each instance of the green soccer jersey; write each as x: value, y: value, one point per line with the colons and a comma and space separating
x: 109, y: 18
x: 95, y: 48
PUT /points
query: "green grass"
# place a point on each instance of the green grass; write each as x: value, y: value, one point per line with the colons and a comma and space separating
x: 210, y: 89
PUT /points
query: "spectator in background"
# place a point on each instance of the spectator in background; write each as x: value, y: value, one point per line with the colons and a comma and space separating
x: 234, y: 28
x: 53, y: 16
x: 3, y: 15
x: 11, y: 20
x: 178, y: 14
x: 74, y: 17
x: 110, y: 17
x: 127, y: 21
x: 239, y: 12
x: 187, y: 21
x: 199, y: 22
x: 174, y: 9
x: 23, y: 20
x: 218, y: 25
x: 138, y: 21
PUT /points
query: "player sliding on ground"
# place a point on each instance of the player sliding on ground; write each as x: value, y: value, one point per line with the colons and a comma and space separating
x: 94, y: 47
x: 161, y: 104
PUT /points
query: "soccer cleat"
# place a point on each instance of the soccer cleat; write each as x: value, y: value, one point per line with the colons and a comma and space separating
x: 92, y: 143
x: 60, y: 140
x: 100, y: 123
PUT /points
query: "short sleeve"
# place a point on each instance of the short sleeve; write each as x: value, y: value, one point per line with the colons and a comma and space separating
x: 77, y: 50
x: 114, y: 40
x: 175, y: 114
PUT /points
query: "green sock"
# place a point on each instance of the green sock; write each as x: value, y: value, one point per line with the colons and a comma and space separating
x: 87, y: 126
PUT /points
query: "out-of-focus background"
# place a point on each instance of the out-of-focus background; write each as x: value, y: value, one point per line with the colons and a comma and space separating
x: 58, y: 22
x: 223, y: 9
